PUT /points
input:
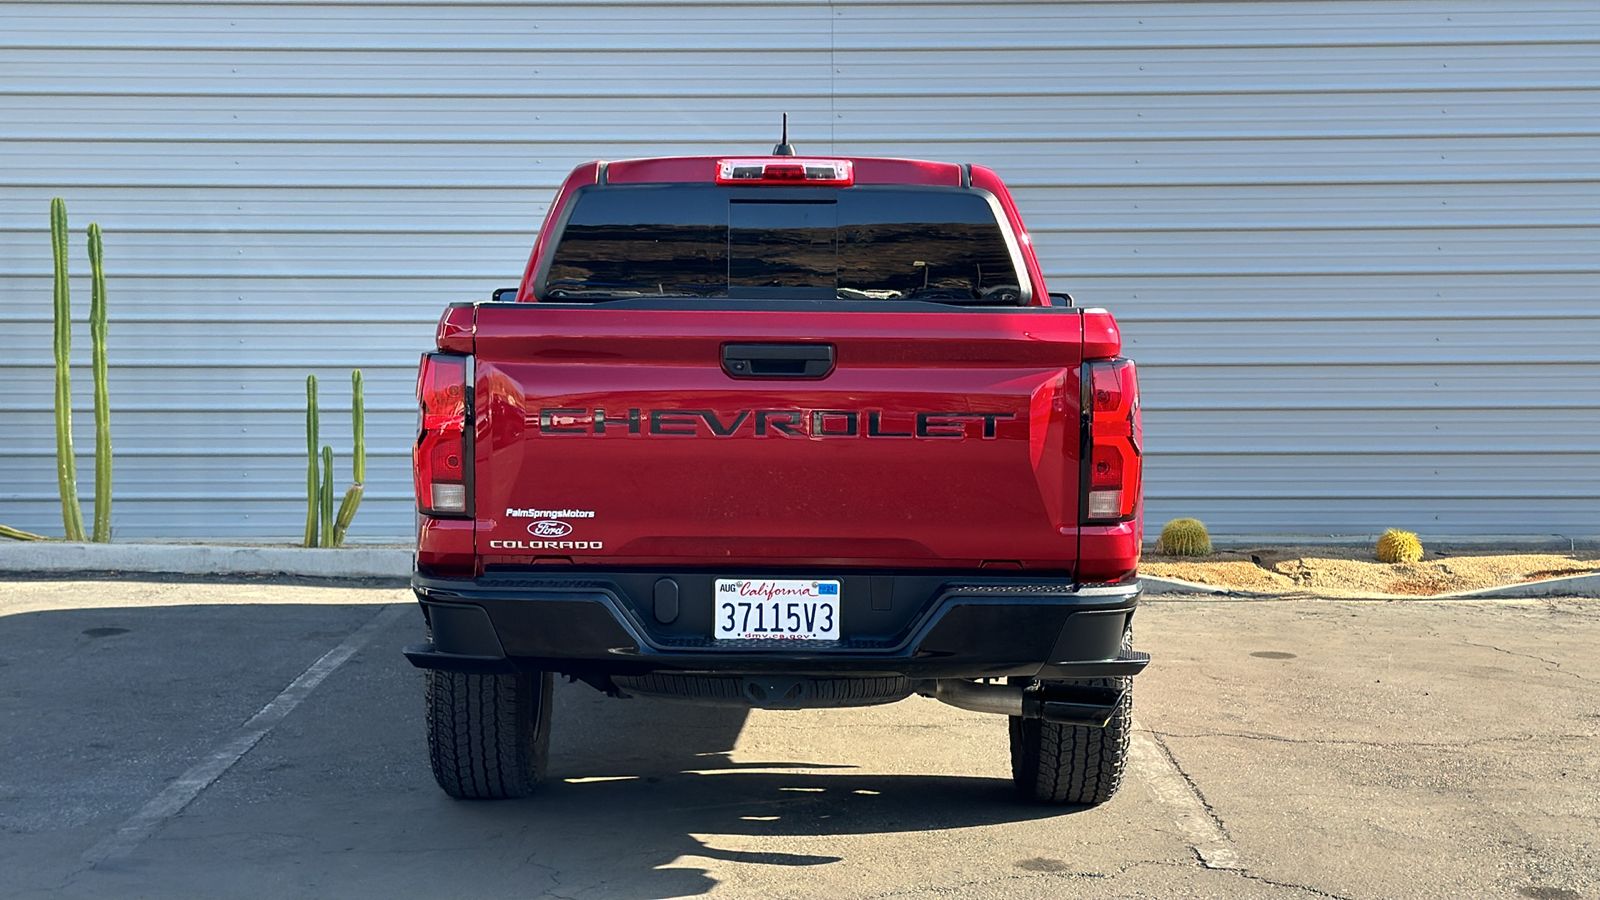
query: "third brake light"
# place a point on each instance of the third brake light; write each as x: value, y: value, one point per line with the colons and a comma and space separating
x: 786, y: 170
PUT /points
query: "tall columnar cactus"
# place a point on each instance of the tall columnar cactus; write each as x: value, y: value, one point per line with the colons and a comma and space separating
x: 102, y: 395
x: 326, y: 527
x: 358, y: 428
x: 66, y: 459
x: 313, y: 492
x: 326, y: 496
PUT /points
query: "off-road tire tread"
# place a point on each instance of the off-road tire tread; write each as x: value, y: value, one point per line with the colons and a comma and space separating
x: 708, y: 688
x: 1073, y: 764
x: 729, y: 689
x: 488, y: 735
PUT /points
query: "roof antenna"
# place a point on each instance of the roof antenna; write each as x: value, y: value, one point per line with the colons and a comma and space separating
x: 783, y: 147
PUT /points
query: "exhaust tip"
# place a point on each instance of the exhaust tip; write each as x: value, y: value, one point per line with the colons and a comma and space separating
x: 1060, y: 704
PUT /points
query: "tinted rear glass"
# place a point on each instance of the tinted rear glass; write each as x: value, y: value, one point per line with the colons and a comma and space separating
x: 858, y: 243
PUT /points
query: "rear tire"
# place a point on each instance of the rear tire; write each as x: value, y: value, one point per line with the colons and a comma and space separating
x: 488, y: 735
x: 1073, y: 764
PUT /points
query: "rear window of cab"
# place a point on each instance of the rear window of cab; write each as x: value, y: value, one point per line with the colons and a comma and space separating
x: 886, y: 243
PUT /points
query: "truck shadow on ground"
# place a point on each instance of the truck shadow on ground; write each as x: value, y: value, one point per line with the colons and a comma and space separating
x: 644, y: 799
x: 653, y: 789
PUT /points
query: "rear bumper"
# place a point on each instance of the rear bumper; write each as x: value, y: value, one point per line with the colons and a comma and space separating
x: 949, y: 626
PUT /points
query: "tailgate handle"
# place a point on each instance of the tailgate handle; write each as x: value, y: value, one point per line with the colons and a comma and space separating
x: 777, y: 360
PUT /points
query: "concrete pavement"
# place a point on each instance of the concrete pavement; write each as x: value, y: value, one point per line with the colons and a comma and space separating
x: 1349, y: 749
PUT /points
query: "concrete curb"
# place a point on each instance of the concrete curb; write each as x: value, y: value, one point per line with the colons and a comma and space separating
x: 1153, y: 585
x: 1570, y: 586
x: 59, y: 558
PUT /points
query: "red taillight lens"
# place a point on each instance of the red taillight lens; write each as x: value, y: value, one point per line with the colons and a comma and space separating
x: 440, y: 460
x: 780, y: 172
x: 1113, y: 463
x: 1105, y: 468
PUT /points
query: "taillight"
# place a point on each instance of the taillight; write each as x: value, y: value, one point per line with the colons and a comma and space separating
x: 1112, y: 458
x: 441, y: 460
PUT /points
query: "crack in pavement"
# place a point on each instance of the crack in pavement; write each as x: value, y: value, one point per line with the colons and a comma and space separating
x: 1193, y: 786
x: 1173, y: 788
x: 1418, y: 745
x: 550, y: 872
x: 1549, y: 662
x: 1246, y: 874
x: 1213, y: 846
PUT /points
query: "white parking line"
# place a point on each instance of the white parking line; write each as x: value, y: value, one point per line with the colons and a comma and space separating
x: 1149, y: 759
x: 182, y: 791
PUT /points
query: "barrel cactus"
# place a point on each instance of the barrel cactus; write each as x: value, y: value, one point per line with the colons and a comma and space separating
x: 1185, y: 537
x: 1396, y: 546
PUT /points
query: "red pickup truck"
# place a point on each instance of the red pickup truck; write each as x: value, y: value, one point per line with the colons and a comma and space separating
x: 780, y: 432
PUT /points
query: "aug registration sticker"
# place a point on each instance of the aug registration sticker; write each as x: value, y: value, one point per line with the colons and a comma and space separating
x: 768, y: 609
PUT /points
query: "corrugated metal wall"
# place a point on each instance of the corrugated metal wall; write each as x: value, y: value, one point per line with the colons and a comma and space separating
x: 1353, y: 244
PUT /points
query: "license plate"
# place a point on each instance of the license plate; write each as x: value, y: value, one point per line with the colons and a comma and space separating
x: 769, y: 609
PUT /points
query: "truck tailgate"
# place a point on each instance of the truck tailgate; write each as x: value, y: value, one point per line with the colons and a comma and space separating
x: 623, y: 437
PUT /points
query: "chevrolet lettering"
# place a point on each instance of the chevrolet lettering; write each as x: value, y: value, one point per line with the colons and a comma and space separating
x: 794, y: 423
x: 827, y: 439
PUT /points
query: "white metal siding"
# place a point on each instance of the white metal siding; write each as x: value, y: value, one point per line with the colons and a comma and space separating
x: 1354, y: 245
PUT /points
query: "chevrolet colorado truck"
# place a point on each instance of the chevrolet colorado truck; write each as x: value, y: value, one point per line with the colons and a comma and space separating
x: 780, y: 432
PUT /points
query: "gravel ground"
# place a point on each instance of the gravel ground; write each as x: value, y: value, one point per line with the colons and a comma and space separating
x: 1351, y: 571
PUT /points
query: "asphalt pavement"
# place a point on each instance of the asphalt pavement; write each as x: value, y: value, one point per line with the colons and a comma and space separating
x: 263, y: 740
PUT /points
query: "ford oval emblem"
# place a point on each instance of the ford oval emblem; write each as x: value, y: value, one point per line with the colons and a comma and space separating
x: 549, y: 528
